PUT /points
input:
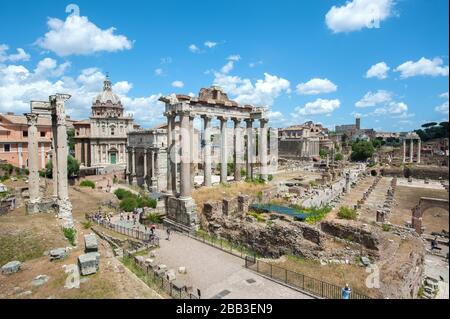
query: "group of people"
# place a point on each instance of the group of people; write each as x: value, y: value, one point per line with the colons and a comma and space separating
x: 100, y: 217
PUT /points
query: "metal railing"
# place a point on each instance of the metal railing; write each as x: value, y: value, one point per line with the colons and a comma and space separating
x: 146, y: 237
x: 154, y: 279
x: 300, y: 281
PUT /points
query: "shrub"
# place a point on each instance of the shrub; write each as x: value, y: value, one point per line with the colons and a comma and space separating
x: 259, y: 217
x: 87, y: 183
x: 347, y: 213
x: 386, y: 227
x: 154, y: 218
x: 128, y: 204
x: 70, y: 234
x: 145, y: 202
x: 123, y: 193
x: 315, y: 214
x: 270, y: 177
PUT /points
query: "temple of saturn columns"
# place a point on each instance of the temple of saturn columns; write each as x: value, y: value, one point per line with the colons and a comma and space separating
x: 212, y: 103
x: 411, y: 137
x: 36, y: 204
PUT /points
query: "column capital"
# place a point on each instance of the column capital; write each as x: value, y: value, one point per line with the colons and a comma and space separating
x: 168, y: 114
x: 248, y: 121
x: 32, y: 118
x: 207, y: 117
x: 222, y: 118
x: 263, y: 120
x: 236, y: 121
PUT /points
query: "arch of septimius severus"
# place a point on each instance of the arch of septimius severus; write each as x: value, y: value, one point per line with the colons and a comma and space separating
x: 212, y: 103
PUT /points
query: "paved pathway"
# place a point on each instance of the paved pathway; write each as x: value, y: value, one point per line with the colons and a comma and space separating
x: 216, y: 272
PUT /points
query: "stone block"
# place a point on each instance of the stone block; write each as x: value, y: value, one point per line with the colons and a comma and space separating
x: 40, y: 280
x: 90, y: 242
x: 89, y: 263
x: 58, y: 253
x: 182, y: 270
x: 170, y: 275
x: 11, y: 267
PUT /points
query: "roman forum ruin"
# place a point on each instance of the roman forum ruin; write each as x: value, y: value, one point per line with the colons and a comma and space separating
x: 211, y: 103
x: 55, y: 107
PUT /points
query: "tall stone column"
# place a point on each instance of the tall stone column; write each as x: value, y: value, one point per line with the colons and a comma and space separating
x: 64, y: 205
x: 170, y: 129
x: 249, y: 162
x: 237, y: 157
x: 55, y: 157
x: 192, y: 149
x: 133, y: 166
x: 154, y: 186
x: 145, y: 169
x: 404, y: 150
x: 33, y: 163
x: 127, y: 166
x: 263, y: 149
x: 411, y: 150
x: 223, y: 150
x: 207, y: 151
x: 419, y: 147
x: 185, y: 172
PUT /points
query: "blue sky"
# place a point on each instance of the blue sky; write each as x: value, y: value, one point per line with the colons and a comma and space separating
x: 304, y: 60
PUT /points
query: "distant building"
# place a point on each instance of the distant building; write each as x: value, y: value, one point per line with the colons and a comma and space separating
x: 14, y: 140
x: 101, y: 140
x: 303, y: 141
x: 352, y: 130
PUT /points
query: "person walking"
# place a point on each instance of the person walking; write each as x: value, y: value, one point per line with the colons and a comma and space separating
x: 168, y: 233
x: 346, y: 291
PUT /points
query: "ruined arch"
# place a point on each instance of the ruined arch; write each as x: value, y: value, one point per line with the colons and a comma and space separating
x: 424, y: 204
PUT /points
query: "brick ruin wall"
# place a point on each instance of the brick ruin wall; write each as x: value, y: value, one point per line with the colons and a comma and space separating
x: 423, y: 172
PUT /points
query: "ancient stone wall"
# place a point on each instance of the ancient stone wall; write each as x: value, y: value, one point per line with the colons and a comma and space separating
x: 354, y: 233
x: 420, y: 172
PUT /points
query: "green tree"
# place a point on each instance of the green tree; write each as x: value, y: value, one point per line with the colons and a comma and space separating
x: 323, y: 152
x: 338, y: 157
x: 362, y: 150
x: 73, y: 167
x: 71, y: 140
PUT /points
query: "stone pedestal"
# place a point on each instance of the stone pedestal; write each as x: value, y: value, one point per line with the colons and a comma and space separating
x: 181, y: 214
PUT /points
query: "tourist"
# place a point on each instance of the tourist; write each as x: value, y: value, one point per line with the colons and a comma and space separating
x: 168, y: 233
x: 434, y: 244
x: 346, y: 291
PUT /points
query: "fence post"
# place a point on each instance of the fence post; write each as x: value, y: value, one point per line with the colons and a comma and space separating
x: 285, y: 276
x: 271, y: 266
x: 257, y: 266
x: 322, y: 289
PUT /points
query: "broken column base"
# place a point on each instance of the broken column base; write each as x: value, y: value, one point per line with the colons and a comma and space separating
x: 42, y: 206
x: 65, y: 212
x: 181, y: 214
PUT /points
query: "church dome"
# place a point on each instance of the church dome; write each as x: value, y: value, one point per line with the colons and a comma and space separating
x: 107, y: 95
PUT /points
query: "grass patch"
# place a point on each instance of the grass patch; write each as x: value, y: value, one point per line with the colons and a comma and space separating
x: 225, y: 244
x: 259, y: 216
x: 87, y: 183
x: 315, y: 214
x: 386, y: 227
x: 70, y: 234
x: 22, y: 247
x: 347, y: 213
x: 87, y: 224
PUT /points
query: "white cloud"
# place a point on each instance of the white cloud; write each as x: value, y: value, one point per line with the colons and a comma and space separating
x: 262, y: 93
x: 373, y: 99
x: 254, y: 64
x: 159, y: 72
x: 227, y: 67
x: 397, y: 108
x: 358, y: 14
x: 210, y: 44
x: 378, y: 71
x: 21, y: 55
x: 319, y: 106
x: 423, y: 67
x: 194, y: 49
x: 77, y: 35
x: 18, y: 86
x: 177, y: 84
x: 122, y: 87
x: 234, y: 57
x: 316, y: 86
x: 443, y: 108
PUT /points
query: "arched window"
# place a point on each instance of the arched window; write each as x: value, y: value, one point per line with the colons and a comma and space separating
x: 112, y: 130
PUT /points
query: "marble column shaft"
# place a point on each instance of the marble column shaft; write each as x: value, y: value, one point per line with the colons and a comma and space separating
x: 237, y: 157
x: 55, y: 157
x: 185, y: 170
x: 411, y: 150
x: 33, y: 149
x: 169, y: 152
x: 263, y: 149
x: 223, y: 150
x: 207, y: 151
x: 419, y: 147
x: 404, y: 151
x: 145, y: 167
x: 249, y: 162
